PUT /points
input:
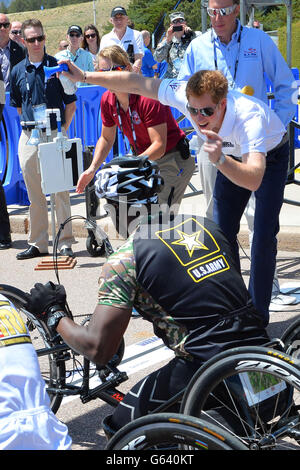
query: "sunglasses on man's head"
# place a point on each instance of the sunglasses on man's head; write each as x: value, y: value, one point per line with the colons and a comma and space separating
x: 88, y: 36
x: 74, y: 35
x: 177, y: 21
x: 115, y: 67
x: 205, y: 112
x: 16, y: 32
x: 4, y: 25
x: 221, y: 11
x: 36, y: 38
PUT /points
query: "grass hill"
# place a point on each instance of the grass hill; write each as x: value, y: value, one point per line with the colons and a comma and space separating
x: 57, y: 20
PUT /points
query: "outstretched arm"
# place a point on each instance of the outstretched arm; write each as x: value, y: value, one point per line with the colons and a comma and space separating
x: 128, y: 82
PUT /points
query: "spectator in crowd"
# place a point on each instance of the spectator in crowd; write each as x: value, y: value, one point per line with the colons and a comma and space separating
x: 83, y: 59
x: 256, y: 24
x: 91, y: 42
x: 256, y: 159
x: 122, y: 35
x: 26, y: 420
x: 16, y: 33
x: 149, y: 65
x: 150, y: 128
x: 244, y: 56
x: 29, y: 92
x: 63, y: 45
x: 10, y: 54
x: 172, y: 48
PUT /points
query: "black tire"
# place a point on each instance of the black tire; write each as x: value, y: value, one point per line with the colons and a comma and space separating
x: 215, y: 393
x: 291, y: 339
x: 172, y: 431
x: 93, y: 248
x: 52, y: 368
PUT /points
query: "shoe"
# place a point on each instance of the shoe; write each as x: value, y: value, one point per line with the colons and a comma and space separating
x: 280, y: 301
x: 67, y: 252
x: 5, y: 244
x: 31, y: 252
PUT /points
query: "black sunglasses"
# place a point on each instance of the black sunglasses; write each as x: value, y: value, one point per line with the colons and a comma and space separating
x: 16, y: 31
x: 177, y: 21
x: 115, y: 67
x: 4, y: 25
x: 205, y: 112
x: 72, y: 35
x: 36, y: 38
x: 88, y: 36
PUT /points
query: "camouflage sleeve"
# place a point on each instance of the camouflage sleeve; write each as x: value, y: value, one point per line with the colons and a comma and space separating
x: 117, y: 282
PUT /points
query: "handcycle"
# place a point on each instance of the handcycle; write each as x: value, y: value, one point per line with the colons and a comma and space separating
x: 247, y: 397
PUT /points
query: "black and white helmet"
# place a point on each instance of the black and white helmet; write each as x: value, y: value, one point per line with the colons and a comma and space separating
x: 134, y: 179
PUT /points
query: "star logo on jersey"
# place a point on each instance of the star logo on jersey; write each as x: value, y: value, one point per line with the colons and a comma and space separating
x: 191, y: 242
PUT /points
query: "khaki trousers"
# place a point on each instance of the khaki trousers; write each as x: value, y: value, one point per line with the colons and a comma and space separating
x: 38, y: 210
x: 176, y: 173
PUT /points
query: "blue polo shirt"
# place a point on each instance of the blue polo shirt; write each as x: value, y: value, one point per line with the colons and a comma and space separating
x: 28, y: 88
x: 147, y: 63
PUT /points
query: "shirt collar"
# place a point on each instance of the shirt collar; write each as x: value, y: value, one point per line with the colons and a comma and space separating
x: 6, y: 48
x: 234, y: 37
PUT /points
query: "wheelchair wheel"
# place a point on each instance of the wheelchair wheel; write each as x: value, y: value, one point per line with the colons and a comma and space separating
x: 51, y: 366
x: 171, y: 431
x: 252, y: 392
x: 92, y: 246
x: 291, y: 339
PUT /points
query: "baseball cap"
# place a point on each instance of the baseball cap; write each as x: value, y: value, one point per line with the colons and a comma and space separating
x: 118, y: 11
x: 177, y: 15
x: 75, y: 28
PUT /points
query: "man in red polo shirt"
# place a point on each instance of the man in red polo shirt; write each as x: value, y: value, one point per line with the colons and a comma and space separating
x: 150, y: 128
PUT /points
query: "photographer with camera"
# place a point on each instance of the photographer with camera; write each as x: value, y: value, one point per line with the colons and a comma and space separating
x: 172, y: 48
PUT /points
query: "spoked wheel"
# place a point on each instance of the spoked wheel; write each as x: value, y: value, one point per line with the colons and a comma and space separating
x: 172, y: 431
x: 51, y: 365
x: 252, y: 393
x: 93, y: 247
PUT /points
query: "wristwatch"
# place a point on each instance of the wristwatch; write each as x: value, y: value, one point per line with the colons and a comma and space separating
x: 54, y: 319
x: 219, y: 162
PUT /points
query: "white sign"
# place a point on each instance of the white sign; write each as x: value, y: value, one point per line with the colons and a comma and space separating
x: 61, y: 164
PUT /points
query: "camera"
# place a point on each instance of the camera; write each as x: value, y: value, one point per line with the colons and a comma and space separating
x: 177, y: 28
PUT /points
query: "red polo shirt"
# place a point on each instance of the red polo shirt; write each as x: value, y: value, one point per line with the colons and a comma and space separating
x: 145, y: 113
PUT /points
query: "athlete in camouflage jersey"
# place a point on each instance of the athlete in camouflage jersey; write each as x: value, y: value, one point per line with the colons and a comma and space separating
x: 118, y: 286
x: 180, y: 274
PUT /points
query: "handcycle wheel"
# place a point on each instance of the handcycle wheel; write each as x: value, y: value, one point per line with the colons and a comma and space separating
x: 172, y: 431
x: 93, y: 247
x: 52, y: 368
x: 291, y: 339
x: 252, y: 392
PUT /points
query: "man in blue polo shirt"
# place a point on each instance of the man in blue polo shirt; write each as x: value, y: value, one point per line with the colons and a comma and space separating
x: 28, y: 93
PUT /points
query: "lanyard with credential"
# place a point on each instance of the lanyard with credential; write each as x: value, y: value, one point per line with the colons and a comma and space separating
x: 132, y: 128
x: 237, y: 56
x: 28, y: 89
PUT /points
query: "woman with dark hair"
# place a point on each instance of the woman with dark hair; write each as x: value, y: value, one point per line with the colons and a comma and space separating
x: 91, y: 42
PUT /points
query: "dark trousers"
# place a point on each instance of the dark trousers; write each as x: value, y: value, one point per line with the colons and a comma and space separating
x: 4, y: 218
x: 230, y: 201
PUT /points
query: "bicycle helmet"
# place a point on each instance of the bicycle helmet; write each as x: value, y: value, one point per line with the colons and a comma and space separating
x: 134, y: 180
